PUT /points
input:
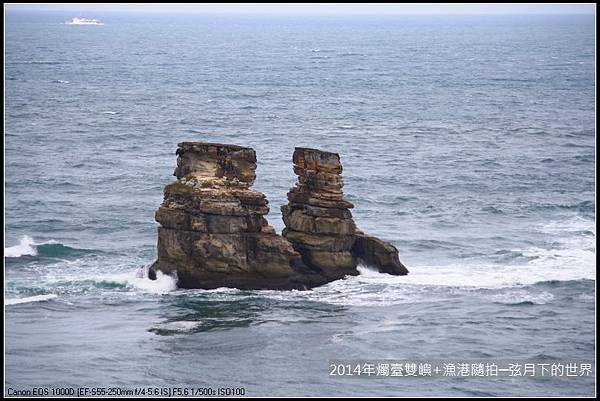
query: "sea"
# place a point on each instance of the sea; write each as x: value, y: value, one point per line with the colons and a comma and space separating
x: 468, y: 142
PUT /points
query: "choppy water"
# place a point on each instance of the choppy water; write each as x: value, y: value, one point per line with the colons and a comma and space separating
x: 468, y: 143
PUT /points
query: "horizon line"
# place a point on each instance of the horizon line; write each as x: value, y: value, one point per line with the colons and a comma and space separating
x: 312, y: 9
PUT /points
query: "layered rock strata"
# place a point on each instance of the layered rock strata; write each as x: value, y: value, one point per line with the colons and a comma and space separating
x: 319, y: 223
x: 213, y: 232
x: 212, y: 227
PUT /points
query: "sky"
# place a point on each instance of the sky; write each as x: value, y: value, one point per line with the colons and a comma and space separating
x: 321, y: 8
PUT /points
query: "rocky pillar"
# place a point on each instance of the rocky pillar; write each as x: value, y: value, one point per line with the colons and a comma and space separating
x: 213, y: 232
x: 212, y: 227
x: 319, y: 223
x: 317, y: 218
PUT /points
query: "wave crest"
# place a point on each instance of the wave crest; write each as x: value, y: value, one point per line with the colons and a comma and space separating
x: 35, y: 298
x: 163, y: 284
x: 28, y: 247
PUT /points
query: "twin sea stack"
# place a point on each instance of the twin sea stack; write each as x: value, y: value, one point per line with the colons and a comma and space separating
x: 213, y: 232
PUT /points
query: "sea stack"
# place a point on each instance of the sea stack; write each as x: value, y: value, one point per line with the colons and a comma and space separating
x: 213, y: 232
x: 212, y: 228
x: 319, y: 223
x: 317, y: 218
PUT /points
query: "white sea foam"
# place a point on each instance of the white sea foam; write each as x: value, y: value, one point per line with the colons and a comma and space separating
x: 35, y: 298
x: 163, y: 284
x: 218, y: 291
x: 372, y: 288
x: 572, y: 257
x: 109, y: 112
x: 569, y: 256
x: 26, y: 247
x: 521, y: 296
x: 573, y: 265
x: 587, y: 297
x: 182, y: 326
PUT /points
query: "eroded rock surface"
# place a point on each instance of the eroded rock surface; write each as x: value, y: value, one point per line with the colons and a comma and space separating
x: 213, y: 232
x: 319, y: 223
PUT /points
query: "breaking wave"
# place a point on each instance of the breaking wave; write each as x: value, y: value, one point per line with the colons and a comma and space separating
x: 163, y: 284
x: 570, y: 257
x: 36, y: 298
x: 570, y: 260
x: 28, y: 247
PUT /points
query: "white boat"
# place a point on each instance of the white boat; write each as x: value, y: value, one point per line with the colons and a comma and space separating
x: 84, y: 21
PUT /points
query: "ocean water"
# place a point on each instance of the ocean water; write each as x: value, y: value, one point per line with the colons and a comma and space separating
x: 467, y: 142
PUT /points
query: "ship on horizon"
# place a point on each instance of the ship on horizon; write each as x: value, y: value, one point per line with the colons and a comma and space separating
x: 84, y: 21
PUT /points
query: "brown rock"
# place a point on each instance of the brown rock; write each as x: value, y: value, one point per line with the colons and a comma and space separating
x: 317, y: 211
x: 213, y: 232
x: 331, y: 260
x: 379, y: 254
x: 216, y: 160
x: 319, y: 224
x: 317, y: 160
x: 303, y: 196
x: 306, y: 241
x: 299, y: 221
x: 172, y: 218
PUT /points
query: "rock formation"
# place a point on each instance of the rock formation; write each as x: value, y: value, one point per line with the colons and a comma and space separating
x: 319, y: 223
x: 213, y: 232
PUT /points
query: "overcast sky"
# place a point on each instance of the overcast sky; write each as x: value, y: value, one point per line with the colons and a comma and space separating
x: 324, y: 8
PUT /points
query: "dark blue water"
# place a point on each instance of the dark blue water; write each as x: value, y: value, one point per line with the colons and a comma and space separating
x: 468, y: 142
